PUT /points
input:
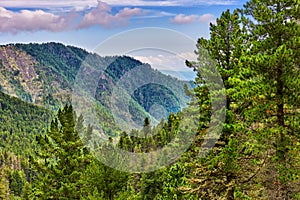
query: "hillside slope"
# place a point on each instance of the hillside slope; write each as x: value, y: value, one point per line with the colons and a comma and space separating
x: 20, y: 122
x: 44, y: 74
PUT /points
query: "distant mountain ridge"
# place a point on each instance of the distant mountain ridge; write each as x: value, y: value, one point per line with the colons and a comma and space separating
x: 182, y: 75
x: 44, y: 74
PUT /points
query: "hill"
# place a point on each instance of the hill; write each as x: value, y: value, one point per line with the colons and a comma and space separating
x: 45, y: 74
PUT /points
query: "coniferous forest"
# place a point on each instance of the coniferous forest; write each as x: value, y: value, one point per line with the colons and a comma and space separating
x: 45, y: 150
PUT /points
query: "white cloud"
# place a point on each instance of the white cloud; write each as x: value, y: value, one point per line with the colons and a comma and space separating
x: 184, y: 19
x: 44, y: 4
x: 173, y: 65
x: 187, y: 19
x: 191, y: 56
x: 142, y: 3
x: 170, y: 2
x: 168, y: 62
x: 62, y: 15
x: 155, y: 14
x: 27, y: 20
x: 102, y: 16
x: 207, y: 18
x: 37, y: 20
x: 215, y: 2
x: 82, y: 4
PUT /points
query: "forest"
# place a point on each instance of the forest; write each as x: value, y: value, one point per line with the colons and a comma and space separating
x: 256, y: 50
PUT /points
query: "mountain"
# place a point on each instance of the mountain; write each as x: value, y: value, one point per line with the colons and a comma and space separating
x: 48, y: 75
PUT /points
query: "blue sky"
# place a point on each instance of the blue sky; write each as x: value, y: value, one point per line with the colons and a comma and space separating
x: 87, y: 23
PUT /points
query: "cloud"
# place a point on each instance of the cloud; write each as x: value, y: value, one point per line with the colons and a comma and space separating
x: 38, y: 20
x: 26, y: 20
x: 187, y: 19
x: 165, y: 61
x: 184, y: 19
x: 169, y: 2
x: 207, y: 18
x: 151, y: 13
x: 143, y: 2
x: 50, y: 5
x: 102, y: 15
x: 81, y: 4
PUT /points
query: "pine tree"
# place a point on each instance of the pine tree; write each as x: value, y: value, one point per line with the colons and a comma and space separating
x: 220, y: 173
x: 275, y: 58
x: 226, y: 46
x: 60, y: 160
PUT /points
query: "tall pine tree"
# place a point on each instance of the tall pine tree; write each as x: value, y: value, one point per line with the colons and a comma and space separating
x: 274, y: 57
x: 221, y: 174
x: 60, y: 159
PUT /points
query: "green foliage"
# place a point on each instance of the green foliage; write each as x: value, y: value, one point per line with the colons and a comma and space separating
x: 26, y: 192
x: 257, y: 156
x: 54, y: 66
x: 220, y: 170
x: 155, y: 138
x: 151, y: 94
x: 64, y: 60
x: 258, y: 63
x: 121, y: 65
x: 20, y: 123
x: 61, y: 159
x: 275, y: 59
x: 17, y: 182
x: 3, y: 188
x: 101, y: 179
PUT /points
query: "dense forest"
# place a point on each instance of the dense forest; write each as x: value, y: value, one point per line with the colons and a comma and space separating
x: 256, y: 50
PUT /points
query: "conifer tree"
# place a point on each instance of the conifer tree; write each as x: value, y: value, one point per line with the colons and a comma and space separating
x: 219, y: 174
x: 274, y: 57
x: 226, y: 46
x: 60, y: 160
x: 261, y: 132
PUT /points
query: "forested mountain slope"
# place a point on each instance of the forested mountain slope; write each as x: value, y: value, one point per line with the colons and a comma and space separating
x: 44, y: 74
x: 20, y: 122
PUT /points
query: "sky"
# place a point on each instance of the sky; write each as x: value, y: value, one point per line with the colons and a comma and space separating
x: 97, y: 26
